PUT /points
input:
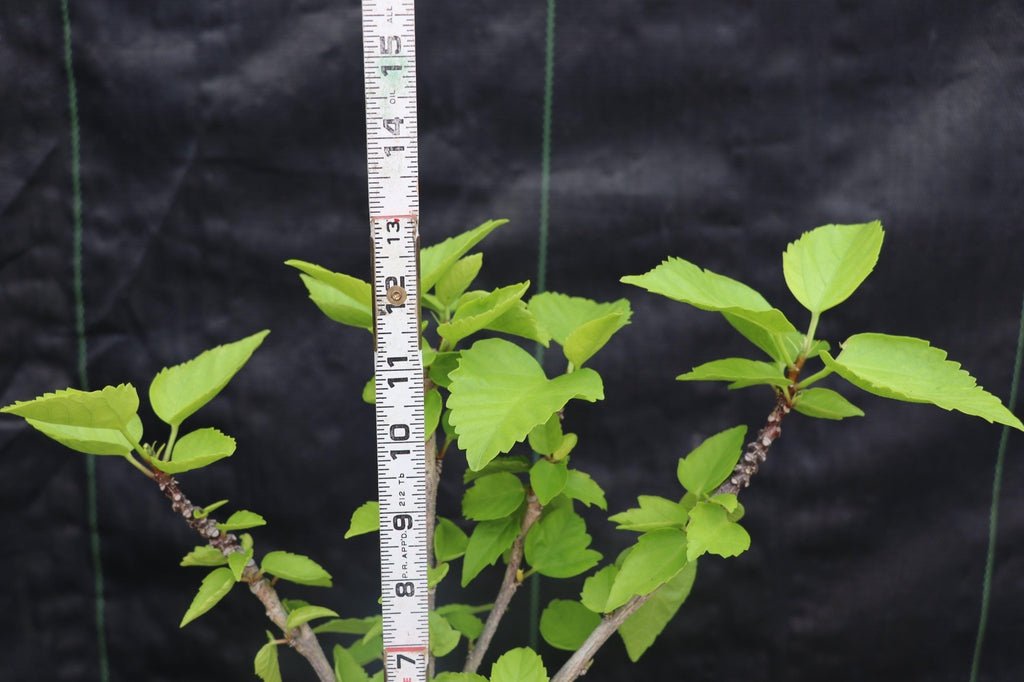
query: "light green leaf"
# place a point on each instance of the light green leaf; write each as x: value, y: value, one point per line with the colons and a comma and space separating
x: 214, y: 587
x: 365, y: 519
x: 519, y: 321
x: 89, y: 440
x: 769, y: 330
x: 177, y: 392
x: 237, y: 561
x: 296, y: 568
x: 654, y: 513
x: 206, y: 510
x: 292, y: 604
x: 580, y: 486
x: 370, y: 392
x: 712, y: 461
x: 568, y: 444
x: 557, y: 545
x: 458, y: 278
x: 548, y: 479
x: 370, y: 648
x: 824, y: 403
x: 437, y: 259
x: 519, y: 665
x: 513, y: 464
x: 442, y: 366
x: 545, y: 438
x: 740, y: 371
x: 431, y: 411
x: 304, y: 614
x: 597, y: 587
x: 112, y: 407
x: 588, y: 338
x: 348, y: 626
x: 824, y: 266
x: 204, y: 555
x: 241, y: 520
x: 435, y: 574
x: 487, y: 542
x: 460, y: 677
x: 727, y: 501
x: 562, y: 315
x: 343, y: 298
x: 500, y: 393
x: 449, y: 540
x: 480, y: 312
x: 443, y: 637
x: 196, y: 450
x: 643, y: 627
x: 652, y: 561
x: 493, y: 497
x: 711, y: 531
x: 463, y: 620
x: 685, y: 282
x: 909, y: 369
x: 265, y: 665
x: 566, y: 624
x: 346, y: 667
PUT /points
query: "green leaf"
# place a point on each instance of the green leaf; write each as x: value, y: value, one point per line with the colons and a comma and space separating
x: 591, y: 337
x: 909, y: 369
x: 519, y: 321
x: 365, y: 519
x: 437, y: 259
x: 548, y: 479
x: 685, y: 282
x: 370, y: 647
x: 711, y: 531
x: 580, y: 486
x: 654, y: 559
x: 346, y: 667
x: 569, y: 442
x: 435, y: 574
x: 204, y: 555
x: 740, y: 371
x: 597, y: 587
x: 566, y: 624
x: 545, y: 438
x: 343, y: 298
x: 237, y: 561
x: 463, y: 620
x: 480, y: 312
x: 112, y: 407
x: 89, y: 440
x: 196, y: 450
x: 513, y: 464
x: 727, y: 501
x: 499, y: 394
x: 214, y: 587
x: 643, y: 627
x: 824, y: 403
x: 177, y: 392
x: 557, y: 545
x: 449, y: 540
x: 296, y: 568
x: 304, y: 614
x: 442, y: 366
x: 712, y: 461
x: 654, y: 513
x: 519, y: 665
x: 443, y: 637
x: 458, y: 278
x: 562, y: 315
x: 488, y: 541
x: 460, y: 677
x: 370, y: 392
x: 493, y: 497
x: 770, y: 331
x: 241, y: 520
x: 824, y: 266
x: 265, y: 665
x: 348, y: 626
x: 203, y: 512
x: 431, y: 412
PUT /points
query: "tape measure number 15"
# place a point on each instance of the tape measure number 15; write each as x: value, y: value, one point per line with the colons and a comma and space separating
x: 389, y: 62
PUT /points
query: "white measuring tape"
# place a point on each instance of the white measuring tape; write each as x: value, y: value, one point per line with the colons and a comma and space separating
x: 392, y: 150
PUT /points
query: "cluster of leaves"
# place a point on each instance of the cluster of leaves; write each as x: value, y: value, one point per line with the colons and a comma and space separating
x: 491, y: 399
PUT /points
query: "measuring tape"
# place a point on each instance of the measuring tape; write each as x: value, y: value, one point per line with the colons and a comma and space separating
x: 389, y: 65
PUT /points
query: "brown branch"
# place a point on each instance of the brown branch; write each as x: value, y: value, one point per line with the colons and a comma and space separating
x: 302, y: 638
x: 754, y: 455
x: 509, y: 584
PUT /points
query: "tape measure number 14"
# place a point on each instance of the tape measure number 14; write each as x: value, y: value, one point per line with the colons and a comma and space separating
x: 389, y: 64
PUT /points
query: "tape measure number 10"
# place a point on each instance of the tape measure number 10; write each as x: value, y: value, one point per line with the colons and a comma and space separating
x: 389, y: 62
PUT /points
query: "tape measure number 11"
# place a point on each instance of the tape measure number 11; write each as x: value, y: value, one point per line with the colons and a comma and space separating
x: 389, y: 63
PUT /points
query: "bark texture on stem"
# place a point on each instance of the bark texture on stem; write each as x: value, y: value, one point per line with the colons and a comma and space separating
x: 579, y: 662
x: 509, y: 584
x: 302, y: 639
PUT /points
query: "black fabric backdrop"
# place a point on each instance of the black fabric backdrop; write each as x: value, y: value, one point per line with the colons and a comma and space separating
x: 220, y: 138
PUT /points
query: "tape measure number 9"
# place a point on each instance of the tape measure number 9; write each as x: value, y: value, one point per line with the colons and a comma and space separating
x: 389, y: 61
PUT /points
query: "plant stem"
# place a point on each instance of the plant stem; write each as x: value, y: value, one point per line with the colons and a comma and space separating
x: 509, y: 584
x: 302, y: 638
x: 809, y: 337
x: 756, y: 452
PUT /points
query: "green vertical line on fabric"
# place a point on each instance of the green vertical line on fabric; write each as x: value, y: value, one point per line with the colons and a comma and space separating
x: 81, y: 359
x: 993, y: 518
x: 542, y: 245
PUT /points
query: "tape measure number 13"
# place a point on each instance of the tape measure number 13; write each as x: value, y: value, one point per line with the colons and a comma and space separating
x: 389, y: 63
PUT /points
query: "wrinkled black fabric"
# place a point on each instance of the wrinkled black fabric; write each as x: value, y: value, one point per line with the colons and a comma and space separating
x: 220, y: 138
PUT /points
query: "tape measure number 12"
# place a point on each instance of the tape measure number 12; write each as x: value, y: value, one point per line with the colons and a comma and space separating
x: 389, y: 63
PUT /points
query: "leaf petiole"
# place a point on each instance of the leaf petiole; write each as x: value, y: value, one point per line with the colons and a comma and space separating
x: 817, y: 376
x: 169, y: 451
